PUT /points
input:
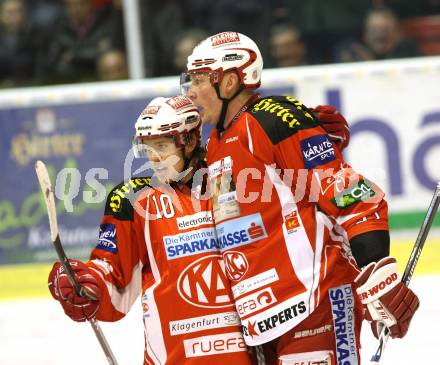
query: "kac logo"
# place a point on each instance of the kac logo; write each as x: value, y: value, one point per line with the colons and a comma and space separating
x: 236, y: 264
x: 204, y: 283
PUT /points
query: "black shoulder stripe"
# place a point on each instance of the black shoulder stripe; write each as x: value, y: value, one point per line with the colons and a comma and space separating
x: 282, y: 116
x: 120, y: 199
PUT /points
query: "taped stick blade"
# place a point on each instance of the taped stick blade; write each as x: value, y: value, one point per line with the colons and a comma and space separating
x: 43, y: 176
x: 49, y: 198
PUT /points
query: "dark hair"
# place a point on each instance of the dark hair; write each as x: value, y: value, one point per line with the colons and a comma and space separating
x: 196, y: 34
x: 284, y: 27
x: 381, y: 10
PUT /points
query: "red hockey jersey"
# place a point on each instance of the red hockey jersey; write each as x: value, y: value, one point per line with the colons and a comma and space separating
x: 161, y: 244
x: 285, y: 205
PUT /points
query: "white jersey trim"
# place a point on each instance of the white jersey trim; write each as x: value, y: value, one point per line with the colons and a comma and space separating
x: 155, y: 345
x: 319, y: 248
x: 303, y: 257
x: 250, y: 143
x: 122, y: 299
x: 298, y: 246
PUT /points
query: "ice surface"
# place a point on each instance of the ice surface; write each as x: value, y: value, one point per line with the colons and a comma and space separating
x: 37, y: 332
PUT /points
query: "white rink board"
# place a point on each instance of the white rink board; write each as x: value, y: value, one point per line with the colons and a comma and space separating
x: 38, y: 333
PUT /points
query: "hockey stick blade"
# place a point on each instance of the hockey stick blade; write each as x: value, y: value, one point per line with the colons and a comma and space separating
x: 411, y: 265
x: 49, y: 199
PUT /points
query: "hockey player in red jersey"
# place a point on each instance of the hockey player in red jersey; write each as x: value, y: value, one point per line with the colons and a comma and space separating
x: 188, y: 312
x: 299, y: 230
x: 160, y: 244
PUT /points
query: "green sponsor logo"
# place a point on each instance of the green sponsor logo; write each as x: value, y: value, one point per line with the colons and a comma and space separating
x: 359, y: 192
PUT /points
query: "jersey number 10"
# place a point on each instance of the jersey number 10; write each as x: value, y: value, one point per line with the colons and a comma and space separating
x: 166, y: 204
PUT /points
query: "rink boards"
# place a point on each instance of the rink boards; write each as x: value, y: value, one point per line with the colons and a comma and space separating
x: 30, y: 281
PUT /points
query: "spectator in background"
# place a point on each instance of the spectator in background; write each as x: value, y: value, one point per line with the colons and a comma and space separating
x: 17, y: 44
x: 112, y: 65
x: 249, y: 17
x: 160, y: 33
x: 79, y: 37
x: 43, y: 14
x: 286, y: 46
x: 410, y: 8
x: 324, y: 23
x: 117, y: 25
x: 185, y: 45
x: 102, y: 4
x: 381, y: 39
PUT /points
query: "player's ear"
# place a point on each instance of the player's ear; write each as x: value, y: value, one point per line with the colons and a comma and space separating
x: 230, y: 83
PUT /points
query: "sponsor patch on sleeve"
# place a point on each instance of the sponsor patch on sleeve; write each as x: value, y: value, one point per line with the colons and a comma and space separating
x: 107, y: 238
x: 317, y: 151
x: 361, y: 191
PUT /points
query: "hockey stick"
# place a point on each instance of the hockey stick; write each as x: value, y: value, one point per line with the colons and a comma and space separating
x: 411, y: 265
x: 49, y: 199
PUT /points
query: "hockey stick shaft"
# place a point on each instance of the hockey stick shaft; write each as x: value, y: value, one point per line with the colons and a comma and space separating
x: 49, y: 199
x: 411, y: 265
x: 421, y: 238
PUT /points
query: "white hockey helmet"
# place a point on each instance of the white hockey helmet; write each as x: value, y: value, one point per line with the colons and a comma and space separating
x: 175, y: 116
x: 228, y: 51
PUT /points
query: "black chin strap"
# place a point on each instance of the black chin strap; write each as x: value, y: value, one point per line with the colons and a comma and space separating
x: 221, y: 121
x: 198, y: 156
x: 186, y: 161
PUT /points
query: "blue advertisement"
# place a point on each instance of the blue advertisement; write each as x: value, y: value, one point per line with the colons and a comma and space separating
x: 92, y: 138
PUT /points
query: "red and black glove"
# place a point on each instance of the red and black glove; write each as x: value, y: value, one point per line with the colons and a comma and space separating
x: 387, y: 301
x: 334, y: 123
x: 76, y: 307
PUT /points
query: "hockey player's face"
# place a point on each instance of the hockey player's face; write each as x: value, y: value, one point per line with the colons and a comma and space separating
x: 203, y: 94
x: 165, y: 158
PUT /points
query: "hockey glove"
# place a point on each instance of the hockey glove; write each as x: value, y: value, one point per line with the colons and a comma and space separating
x: 386, y: 300
x: 76, y: 307
x: 334, y: 123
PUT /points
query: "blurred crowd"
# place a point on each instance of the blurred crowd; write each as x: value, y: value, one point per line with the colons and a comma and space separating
x: 64, y: 41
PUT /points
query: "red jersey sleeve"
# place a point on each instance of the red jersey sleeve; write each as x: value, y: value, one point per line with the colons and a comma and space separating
x: 291, y: 136
x: 120, y: 255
